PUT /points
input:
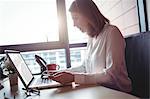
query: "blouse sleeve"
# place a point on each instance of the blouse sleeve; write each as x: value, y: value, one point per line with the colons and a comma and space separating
x: 79, y: 69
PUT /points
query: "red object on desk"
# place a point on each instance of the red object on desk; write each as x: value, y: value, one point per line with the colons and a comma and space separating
x: 52, y: 67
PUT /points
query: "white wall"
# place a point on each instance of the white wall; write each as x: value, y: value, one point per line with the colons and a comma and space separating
x: 122, y: 13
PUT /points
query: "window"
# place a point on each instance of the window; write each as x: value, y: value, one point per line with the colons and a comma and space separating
x: 45, y: 27
x: 148, y: 12
x: 50, y: 56
x: 28, y: 21
x: 77, y: 56
x: 32, y: 25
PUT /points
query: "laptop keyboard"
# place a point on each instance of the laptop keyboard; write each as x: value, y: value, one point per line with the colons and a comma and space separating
x: 43, y: 81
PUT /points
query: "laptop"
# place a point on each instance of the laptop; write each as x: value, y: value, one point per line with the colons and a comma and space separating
x: 25, y: 75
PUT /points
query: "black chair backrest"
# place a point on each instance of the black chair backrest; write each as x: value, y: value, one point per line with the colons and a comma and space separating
x: 41, y: 62
x: 138, y: 63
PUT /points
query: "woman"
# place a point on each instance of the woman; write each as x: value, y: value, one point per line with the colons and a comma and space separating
x: 104, y: 63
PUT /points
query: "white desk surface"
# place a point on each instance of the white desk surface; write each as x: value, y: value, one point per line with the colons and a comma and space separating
x: 67, y: 92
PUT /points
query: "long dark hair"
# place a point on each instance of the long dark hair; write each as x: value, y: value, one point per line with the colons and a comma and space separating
x: 89, y: 10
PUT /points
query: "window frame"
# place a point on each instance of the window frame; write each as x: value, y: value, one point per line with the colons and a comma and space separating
x: 63, y: 42
x: 142, y: 14
x: 43, y: 45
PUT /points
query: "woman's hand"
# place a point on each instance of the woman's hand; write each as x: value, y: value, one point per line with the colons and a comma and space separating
x: 63, y: 77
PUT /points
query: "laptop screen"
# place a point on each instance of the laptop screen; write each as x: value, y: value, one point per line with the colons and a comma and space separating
x: 21, y: 67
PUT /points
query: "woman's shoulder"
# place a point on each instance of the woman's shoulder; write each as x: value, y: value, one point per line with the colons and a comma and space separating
x: 110, y: 31
x: 114, y: 32
x: 111, y: 27
x: 108, y: 28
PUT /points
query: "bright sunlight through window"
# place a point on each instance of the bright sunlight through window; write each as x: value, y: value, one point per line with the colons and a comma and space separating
x: 28, y: 21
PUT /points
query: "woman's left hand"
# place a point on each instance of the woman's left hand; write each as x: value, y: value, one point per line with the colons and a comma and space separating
x: 63, y: 77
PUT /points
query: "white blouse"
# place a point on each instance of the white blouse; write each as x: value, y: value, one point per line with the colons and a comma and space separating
x: 105, y: 61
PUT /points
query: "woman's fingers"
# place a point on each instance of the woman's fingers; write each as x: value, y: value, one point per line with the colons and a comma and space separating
x: 59, y: 78
x: 63, y: 77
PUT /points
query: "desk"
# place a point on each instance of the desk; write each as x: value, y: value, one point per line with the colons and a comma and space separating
x: 67, y: 92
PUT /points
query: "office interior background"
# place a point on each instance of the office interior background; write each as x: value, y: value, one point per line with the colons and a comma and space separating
x: 45, y: 28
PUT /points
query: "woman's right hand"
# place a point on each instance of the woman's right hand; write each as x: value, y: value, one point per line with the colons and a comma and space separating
x: 63, y: 77
x: 49, y: 74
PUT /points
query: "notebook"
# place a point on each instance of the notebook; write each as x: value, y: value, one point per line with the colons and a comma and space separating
x: 25, y: 75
